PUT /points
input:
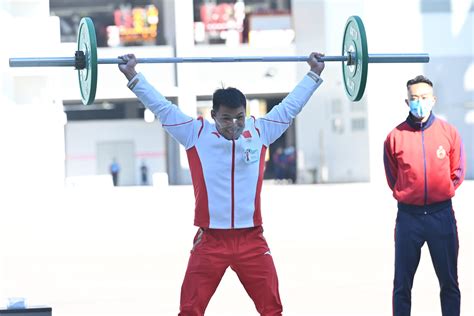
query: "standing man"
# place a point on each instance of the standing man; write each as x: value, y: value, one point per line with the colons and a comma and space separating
x: 226, y: 159
x: 424, y: 164
x: 144, y: 173
x: 114, y: 171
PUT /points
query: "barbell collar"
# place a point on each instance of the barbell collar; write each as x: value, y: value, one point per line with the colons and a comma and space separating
x: 80, y: 60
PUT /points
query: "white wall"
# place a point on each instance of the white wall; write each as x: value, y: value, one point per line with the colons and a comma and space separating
x: 26, y: 8
x: 319, y: 26
x: 386, y: 84
x: 31, y: 119
x: 452, y: 71
x: 82, y: 138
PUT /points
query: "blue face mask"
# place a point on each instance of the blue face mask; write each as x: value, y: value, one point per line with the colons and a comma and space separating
x: 421, y: 108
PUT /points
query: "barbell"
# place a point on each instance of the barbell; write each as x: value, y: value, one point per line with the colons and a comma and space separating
x: 355, y: 59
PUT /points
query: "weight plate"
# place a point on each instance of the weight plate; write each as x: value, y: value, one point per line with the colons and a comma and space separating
x: 86, y: 42
x: 355, y: 42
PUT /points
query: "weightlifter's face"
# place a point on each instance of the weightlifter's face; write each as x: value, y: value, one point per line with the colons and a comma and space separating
x: 230, y: 122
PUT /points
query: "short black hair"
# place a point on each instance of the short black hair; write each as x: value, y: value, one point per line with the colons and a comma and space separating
x: 229, y: 97
x: 419, y: 79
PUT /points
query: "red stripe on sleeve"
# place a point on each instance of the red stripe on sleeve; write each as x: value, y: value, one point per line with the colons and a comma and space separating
x: 202, y: 125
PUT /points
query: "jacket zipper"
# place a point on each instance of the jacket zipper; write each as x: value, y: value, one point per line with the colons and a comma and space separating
x: 232, y: 184
x: 424, y: 162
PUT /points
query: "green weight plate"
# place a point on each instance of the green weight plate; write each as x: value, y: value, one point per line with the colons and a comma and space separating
x: 86, y: 42
x: 355, y: 41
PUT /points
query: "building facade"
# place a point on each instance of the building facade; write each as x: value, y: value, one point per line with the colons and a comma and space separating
x: 335, y: 140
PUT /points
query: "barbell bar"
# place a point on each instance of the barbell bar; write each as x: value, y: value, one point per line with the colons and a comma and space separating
x: 70, y: 61
x: 355, y: 59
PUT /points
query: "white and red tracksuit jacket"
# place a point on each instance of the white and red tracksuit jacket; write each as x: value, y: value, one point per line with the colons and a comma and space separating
x: 227, y: 174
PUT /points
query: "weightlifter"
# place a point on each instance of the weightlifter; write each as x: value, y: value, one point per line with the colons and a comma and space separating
x: 227, y: 159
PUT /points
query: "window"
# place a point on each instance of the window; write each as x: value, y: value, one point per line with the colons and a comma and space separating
x: 116, y: 22
x: 358, y: 124
x: 337, y: 125
x: 336, y: 106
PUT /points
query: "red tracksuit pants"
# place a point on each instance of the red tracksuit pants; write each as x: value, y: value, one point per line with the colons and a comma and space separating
x: 247, y: 253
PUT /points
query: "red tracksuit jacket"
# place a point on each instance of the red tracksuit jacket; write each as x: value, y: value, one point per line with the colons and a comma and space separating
x: 424, y: 162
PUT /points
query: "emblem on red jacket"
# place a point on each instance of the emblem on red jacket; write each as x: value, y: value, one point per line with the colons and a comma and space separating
x: 440, y: 153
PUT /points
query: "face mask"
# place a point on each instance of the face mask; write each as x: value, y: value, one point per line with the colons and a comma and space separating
x: 421, y: 108
x: 233, y: 130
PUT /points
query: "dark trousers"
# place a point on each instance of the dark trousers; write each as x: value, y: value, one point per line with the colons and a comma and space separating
x: 438, y: 229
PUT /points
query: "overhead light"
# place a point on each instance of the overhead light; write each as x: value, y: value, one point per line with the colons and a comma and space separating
x: 107, y: 105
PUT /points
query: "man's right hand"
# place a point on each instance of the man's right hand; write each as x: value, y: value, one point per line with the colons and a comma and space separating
x: 316, y: 65
x: 128, y: 68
